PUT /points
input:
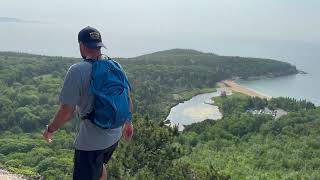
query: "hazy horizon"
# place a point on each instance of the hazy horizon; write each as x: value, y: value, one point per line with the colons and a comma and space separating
x: 130, y: 28
x: 236, y: 137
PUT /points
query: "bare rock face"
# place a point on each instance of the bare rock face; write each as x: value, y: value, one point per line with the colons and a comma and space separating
x: 5, y: 175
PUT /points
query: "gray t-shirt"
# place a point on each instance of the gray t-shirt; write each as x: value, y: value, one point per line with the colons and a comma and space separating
x: 75, y: 93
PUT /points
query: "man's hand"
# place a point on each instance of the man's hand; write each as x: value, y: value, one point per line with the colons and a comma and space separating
x: 127, y: 131
x: 62, y: 116
x: 47, y: 135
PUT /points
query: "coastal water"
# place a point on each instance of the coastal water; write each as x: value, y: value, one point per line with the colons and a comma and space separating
x: 300, y: 86
x: 194, y: 110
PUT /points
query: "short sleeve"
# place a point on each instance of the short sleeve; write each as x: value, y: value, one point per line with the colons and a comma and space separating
x: 70, y: 93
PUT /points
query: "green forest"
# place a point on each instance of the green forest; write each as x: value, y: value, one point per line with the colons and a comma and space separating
x: 239, y: 146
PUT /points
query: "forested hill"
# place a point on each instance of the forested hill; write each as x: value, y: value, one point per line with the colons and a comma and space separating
x: 225, y: 65
x: 33, y: 81
x: 29, y: 87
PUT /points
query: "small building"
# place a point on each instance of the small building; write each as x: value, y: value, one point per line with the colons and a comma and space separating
x: 275, y: 113
x: 223, y: 94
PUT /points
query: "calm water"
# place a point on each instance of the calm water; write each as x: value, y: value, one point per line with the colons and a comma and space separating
x: 298, y: 86
x: 194, y: 110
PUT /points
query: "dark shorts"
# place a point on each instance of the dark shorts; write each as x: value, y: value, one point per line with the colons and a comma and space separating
x: 88, y: 165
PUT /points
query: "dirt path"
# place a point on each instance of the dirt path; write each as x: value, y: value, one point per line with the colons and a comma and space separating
x: 5, y: 175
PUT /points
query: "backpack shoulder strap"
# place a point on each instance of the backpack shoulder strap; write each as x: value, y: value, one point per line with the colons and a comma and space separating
x: 103, y: 57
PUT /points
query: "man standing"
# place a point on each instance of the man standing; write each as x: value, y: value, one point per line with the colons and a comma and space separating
x: 93, y: 145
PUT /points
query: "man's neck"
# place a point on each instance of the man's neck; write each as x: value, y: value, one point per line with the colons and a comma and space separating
x: 96, y: 56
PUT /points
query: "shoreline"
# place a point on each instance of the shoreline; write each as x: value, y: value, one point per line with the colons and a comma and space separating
x: 195, y: 110
x: 230, y: 86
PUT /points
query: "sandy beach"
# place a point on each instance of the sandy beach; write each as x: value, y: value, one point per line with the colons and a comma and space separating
x: 230, y: 85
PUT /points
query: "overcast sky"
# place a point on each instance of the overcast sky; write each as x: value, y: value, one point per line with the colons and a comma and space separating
x: 139, y: 26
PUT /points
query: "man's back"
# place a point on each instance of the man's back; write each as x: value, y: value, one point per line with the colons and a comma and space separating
x: 94, y: 146
x: 75, y: 92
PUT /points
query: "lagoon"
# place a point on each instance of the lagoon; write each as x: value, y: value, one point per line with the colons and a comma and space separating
x: 195, y: 110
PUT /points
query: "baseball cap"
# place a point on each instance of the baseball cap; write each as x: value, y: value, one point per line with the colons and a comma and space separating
x: 90, y: 37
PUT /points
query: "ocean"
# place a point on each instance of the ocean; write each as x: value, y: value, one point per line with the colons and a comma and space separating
x: 300, y: 86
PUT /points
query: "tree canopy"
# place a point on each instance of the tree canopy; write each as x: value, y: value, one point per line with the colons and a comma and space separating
x: 241, y: 145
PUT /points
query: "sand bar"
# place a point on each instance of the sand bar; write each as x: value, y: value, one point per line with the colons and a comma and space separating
x: 229, y: 85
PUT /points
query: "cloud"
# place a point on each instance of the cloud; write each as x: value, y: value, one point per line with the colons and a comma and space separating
x: 17, y: 20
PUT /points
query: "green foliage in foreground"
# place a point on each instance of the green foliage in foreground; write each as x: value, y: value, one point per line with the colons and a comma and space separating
x: 30, y: 155
x: 150, y: 155
x: 240, y: 146
x: 247, y: 146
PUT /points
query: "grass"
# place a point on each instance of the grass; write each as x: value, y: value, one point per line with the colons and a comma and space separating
x: 186, y: 95
x: 218, y: 100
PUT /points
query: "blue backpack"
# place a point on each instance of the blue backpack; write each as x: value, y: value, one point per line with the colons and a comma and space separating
x: 110, y: 87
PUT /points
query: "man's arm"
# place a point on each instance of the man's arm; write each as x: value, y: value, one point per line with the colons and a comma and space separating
x: 63, y: 115
x: 69, y: 98
x: 128, y: 128
x: 131, y: 103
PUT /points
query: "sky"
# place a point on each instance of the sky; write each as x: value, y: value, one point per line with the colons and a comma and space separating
x: 134, y: 27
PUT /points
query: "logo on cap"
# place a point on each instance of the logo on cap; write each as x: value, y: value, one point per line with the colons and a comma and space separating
x: 95, y: 35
